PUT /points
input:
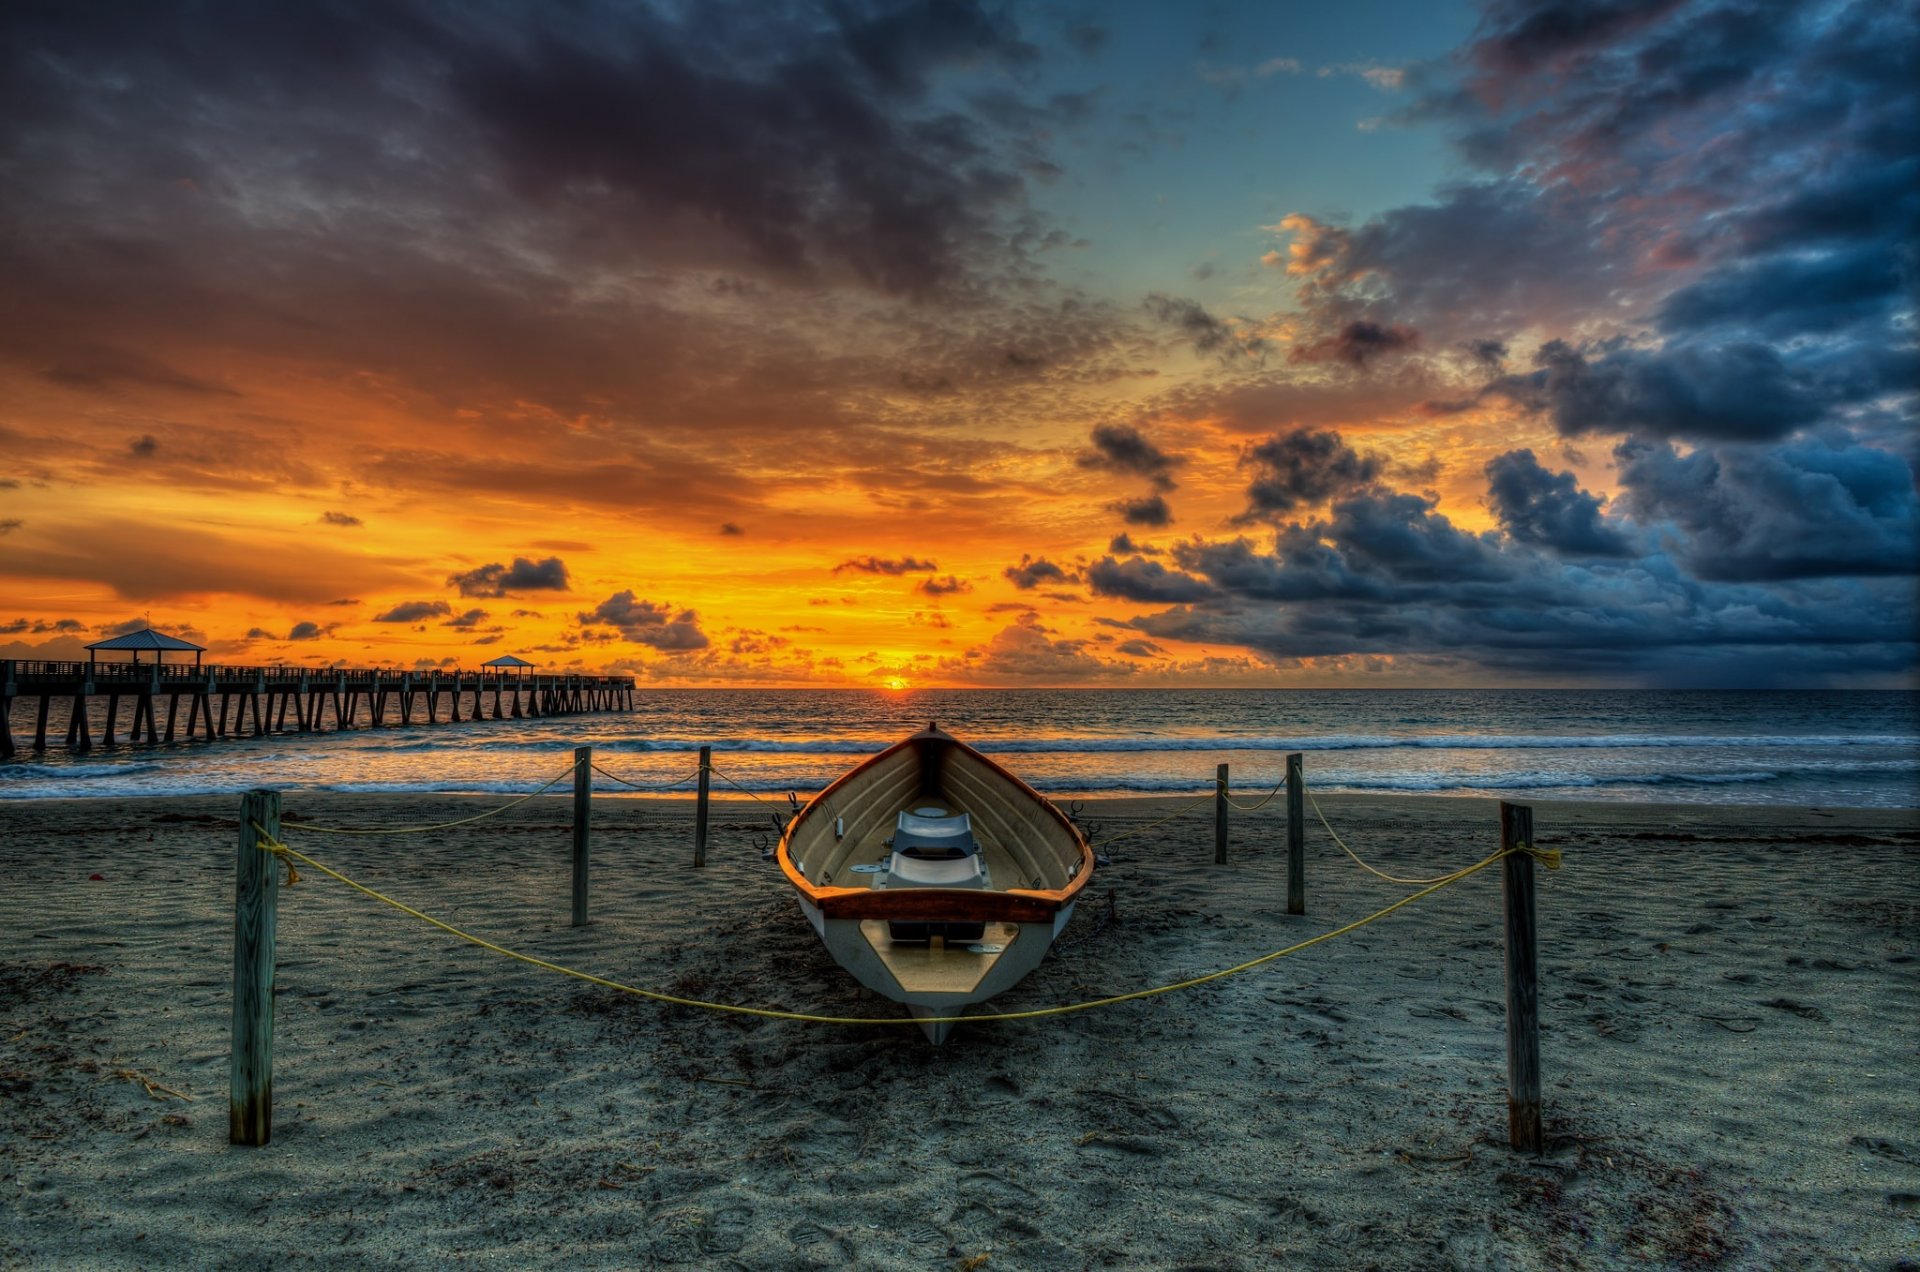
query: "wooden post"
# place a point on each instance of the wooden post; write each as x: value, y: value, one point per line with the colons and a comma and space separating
x: 1524, y: 1130
x: 1296, y: 836
x: 700, y: 807
x: 582, y: 808
x: 1220, y: 816
x: 256, y: 899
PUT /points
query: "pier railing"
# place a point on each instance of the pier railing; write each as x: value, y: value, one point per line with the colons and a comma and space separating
x: 311, y: 694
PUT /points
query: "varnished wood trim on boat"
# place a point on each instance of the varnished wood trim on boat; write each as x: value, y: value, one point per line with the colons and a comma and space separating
x: 953, y: 905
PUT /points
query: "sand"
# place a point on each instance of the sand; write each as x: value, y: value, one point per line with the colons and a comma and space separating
x: 1729, y: 1040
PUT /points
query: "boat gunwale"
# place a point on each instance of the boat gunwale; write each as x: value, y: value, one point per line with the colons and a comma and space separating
x: 1015, y: 905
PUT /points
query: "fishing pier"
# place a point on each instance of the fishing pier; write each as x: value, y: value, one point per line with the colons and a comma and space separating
x: 225, y: 702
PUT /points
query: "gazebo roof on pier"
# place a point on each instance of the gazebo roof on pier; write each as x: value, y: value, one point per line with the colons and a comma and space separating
x: 147, y: 638
x: 506, y: 660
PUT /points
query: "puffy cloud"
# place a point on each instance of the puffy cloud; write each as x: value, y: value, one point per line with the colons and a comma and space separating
x: 1549, y: 510
x: 885, y: 565
x: 1806, y: 510
x: 1148, y: 582
x: 414, y: 611
x: 645, y: 623
x: 307, y: 631
x: 1148, y: 510
x: 340, y: 519
x: 1121, y: 448
x: 1033, y: 571
x: 144, y: 446
x: 1302, y: 468
x: 1739, y: 391
x: 523, y: 575
x: 467, y: 621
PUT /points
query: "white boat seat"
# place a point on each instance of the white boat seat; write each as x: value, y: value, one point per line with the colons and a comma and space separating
x: 935, y: 852
x: 946, y: 838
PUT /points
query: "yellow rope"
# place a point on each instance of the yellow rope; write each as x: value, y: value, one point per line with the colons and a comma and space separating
x: 1248, y: 808
x: 743, y: 790
x: 1548, y: 857
x: 267, y: 843
x: 657, y: 786
x: 419, y: 830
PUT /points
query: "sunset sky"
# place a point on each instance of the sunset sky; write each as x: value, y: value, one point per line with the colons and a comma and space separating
x: 955, y: 344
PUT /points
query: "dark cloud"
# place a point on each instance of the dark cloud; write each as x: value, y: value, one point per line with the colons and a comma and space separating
x: 1148, y: 510
x: 549, y: 575
x: 467, y: 621
x: 645, y: 623
x: 414, y: 611
x: 307, y: 631
x: 1745, y: 391
x: 144, y: 446
x: 799, y: 139
x: 1302, y: 468
x: 1033, y: 571
x: 1123, y: 544
x: 340, y: 519
x: 1147, y: 582
x: 1210, y: 335
x: 948, y: 585
x: 1797, y: 511
x: 1357, y: 344
x: 41, y: 626
x: 1744, y: 179
x: 729, y: 530
x: 260, y: 633
x: 1121, y: 448
x: 885, y: 565
x: 1139, y: 648
x: 1386, y: 574
x: 1549, y: 510
x: 9, y: 524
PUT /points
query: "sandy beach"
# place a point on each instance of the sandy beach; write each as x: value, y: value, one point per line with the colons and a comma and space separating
x: 1729, y: 1041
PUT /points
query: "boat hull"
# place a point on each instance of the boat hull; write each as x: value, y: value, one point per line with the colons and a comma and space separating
x: 883, y: 927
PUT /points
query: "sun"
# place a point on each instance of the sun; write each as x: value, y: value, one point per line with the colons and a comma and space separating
x: 897, y: 683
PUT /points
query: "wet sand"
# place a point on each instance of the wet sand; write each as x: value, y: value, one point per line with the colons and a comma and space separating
x: 1729, y: 1033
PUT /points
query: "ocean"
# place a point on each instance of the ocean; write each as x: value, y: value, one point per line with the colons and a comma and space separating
x: 1838, y: 749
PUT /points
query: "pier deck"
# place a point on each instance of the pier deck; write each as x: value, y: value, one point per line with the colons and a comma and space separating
x: 253, y: 701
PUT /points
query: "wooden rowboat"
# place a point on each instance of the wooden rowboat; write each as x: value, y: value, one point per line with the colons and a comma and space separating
x: 934, y: 876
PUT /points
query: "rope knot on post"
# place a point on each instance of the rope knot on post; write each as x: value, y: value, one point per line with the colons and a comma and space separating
x: 1548, y: 857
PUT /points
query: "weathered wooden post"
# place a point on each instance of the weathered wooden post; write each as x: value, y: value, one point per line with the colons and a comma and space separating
x: 582, y: 808
x: 256, y: 901
x: 1296, y: 836
x: 1524, y: 1131
x: 700, y: 807
x: 1220, y: 816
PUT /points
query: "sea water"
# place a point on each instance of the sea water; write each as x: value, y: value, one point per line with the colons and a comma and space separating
x: 1839, y: 749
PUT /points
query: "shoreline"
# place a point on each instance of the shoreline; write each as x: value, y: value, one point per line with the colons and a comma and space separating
x: 1726, y: 1033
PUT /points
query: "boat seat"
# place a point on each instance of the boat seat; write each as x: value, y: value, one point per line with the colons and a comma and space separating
x: 935, y: 852
x: 944, y: 838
